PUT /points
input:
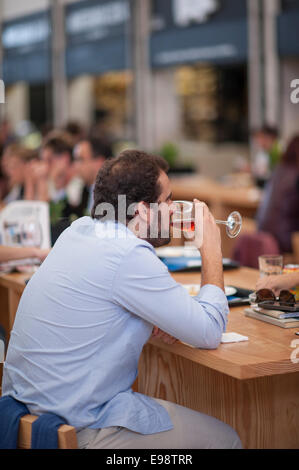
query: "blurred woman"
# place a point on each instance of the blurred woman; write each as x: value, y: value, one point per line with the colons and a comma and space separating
x: 279, y: 211
x: 16, y: 167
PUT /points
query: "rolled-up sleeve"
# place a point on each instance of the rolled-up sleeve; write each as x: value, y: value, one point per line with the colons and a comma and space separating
x: 144, y: 287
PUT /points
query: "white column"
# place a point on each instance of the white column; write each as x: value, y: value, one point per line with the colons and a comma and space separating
x: 81, y: 99
x: 140, y: 21
x: 166, y: 108
x: 16, y: 107
x: 255, y: 63
x: 60, y: 105
x: 272, y: 65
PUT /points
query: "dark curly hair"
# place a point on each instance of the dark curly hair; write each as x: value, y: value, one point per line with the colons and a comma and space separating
x: 134, y: 174
x: 59, y: 143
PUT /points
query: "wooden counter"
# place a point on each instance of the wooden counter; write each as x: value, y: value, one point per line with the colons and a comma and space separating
x: 252, y: 386
x: 11, y: 289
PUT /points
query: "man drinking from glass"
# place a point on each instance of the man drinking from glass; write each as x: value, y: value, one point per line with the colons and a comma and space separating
x: 87, y: 312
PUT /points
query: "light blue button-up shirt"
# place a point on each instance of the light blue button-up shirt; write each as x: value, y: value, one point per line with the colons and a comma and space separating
x: 84, y: 318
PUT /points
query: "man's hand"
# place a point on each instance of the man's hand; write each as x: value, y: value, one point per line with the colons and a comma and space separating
x: 209, y: 244
x: 209, y: 240
x: 166, y: 338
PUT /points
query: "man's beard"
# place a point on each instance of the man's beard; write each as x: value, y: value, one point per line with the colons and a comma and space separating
x: 158, y: 242
x: 156, y: 236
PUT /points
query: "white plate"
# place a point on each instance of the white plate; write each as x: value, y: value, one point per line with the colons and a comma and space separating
x: 170, y: 251
x: 230, y: 291
x: 175, y: 251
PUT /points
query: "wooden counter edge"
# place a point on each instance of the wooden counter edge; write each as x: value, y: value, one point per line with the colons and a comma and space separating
x: 236, y: 371
x: 17, y: 285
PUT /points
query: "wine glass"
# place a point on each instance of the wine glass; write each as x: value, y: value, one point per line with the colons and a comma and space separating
x: 183, y: 218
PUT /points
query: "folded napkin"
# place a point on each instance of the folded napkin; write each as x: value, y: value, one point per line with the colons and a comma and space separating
x: 227, y: 338
x: 233, y: 338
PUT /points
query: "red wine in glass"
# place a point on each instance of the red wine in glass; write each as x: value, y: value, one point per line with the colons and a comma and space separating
x: 183, y: 219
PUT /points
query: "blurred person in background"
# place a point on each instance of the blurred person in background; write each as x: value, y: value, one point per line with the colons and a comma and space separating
x: 55, y: 183
x: 56, y: 154
x: 6, y: 135
x: 6, y: 138
x: 16, y: 162
x: 89, y: 156
x: 279, y: 212
x: 268, y: 154
x: 76, y: 131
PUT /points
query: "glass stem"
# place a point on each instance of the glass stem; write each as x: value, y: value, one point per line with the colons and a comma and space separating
x: 221, y: 222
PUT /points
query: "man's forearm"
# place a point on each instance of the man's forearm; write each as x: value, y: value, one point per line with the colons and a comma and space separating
x: 212, y: 269
x: 9, y: 253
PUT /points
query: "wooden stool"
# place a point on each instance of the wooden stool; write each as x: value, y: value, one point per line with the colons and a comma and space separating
x: 67, y: 438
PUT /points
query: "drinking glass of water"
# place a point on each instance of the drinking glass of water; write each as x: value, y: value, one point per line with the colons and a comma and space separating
x: 270, y: 265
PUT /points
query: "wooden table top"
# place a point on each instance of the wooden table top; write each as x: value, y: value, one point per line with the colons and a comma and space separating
x: 210, y: 191
x: 266, y: 353
x: 14, y: 281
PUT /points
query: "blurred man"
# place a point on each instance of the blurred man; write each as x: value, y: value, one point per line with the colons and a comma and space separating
x: 76, y: 131
x: 56, y: 184
x: 57, y: 155
x: 89, y: 156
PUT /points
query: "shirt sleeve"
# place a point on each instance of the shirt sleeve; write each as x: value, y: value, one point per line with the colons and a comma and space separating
x: 144, y: 287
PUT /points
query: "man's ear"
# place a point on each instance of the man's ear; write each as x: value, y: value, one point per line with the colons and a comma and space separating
x: 143, y: 211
